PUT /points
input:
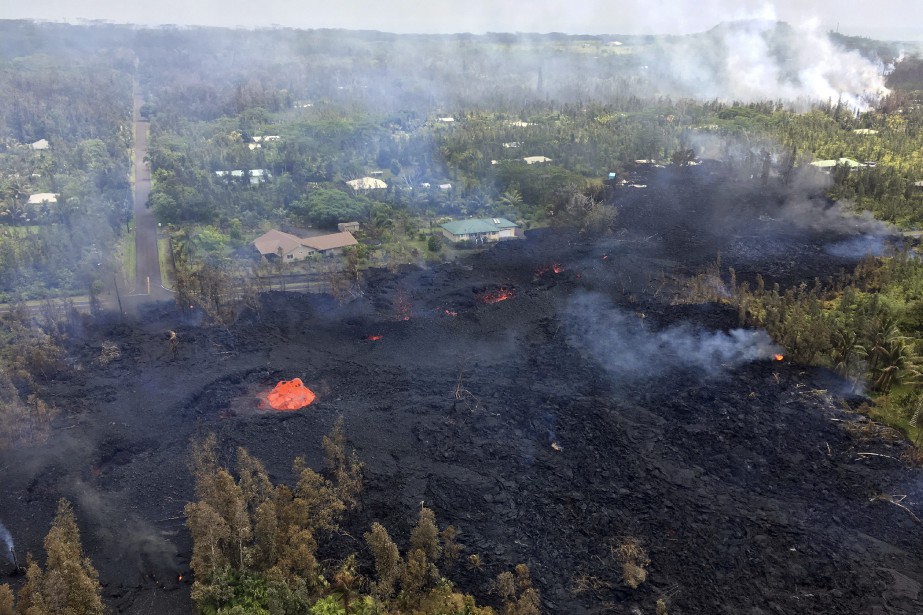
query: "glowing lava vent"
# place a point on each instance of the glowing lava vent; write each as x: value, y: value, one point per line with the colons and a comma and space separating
x: 778, y: 357
x: 497, y: 296
x: 290, y: 395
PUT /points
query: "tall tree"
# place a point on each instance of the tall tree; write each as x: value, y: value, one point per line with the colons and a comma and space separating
x: 70, y: 583
x: 6, y: 600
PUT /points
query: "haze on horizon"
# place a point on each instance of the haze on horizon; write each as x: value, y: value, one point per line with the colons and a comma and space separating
x: 890, y: 20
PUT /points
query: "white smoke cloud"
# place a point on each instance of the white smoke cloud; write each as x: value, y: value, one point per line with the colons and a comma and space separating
x: 628, y: 349
x: 762, y: 59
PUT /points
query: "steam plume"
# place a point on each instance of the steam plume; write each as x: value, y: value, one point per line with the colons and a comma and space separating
x: 7, y: 539
x: 628, y: 349
x: 761, y: 59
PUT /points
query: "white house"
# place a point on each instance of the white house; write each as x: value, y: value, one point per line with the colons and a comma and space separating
x: 43, y: 197
x: 366, y: 183
x: 536, y: 159
x: 257, y: 176
x: 827, y: 165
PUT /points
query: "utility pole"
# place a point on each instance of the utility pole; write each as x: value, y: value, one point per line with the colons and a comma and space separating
x: 117, y: 296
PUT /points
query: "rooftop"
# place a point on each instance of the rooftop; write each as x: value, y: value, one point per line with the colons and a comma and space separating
x: 331, y: 241
x: 366, y: 183
x: 478, y: 225
x: 43, y: 197
x: 271, y: 241
x: 827, y: 164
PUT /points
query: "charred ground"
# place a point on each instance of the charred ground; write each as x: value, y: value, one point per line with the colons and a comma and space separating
x: 741, y: 480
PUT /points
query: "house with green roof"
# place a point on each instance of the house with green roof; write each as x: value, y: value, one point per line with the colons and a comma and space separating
x: 480, y: 230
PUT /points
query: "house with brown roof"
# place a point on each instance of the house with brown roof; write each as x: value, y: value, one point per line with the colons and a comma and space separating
x: 332, y: 243
x: 290, y: 248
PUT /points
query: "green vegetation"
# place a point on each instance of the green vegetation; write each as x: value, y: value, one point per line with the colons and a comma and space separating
x: 538, y: 123
x: 255, y: 546
x: 128, y: 249
x: 80, y: 108
x: 68, y: 584
x: 866, y: 325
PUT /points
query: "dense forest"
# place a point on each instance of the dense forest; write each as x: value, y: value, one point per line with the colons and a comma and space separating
x: 534, y: 128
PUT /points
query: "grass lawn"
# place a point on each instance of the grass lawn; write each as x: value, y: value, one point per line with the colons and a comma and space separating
x: 166, y: 263
x: 127, y: 249
x: 20, y: 231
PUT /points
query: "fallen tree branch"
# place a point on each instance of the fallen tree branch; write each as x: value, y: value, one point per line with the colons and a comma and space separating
x: 877, y: 455
x: 897, y: 502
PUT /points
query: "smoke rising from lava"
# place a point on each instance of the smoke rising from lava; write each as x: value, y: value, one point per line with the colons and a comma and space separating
x: 7, y: 540
x: 629, y: 349
x: 139, y: 542
x: 763, y: 59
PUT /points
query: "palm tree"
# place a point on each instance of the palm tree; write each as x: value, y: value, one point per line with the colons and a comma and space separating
x: 14, y: 208
x: 185, y: 246
x: 880, y: 340
x: 512, y: 198
x: 896, y: 363
x: 380, y: 220
x: 845, y: 350
x: 14, y: 212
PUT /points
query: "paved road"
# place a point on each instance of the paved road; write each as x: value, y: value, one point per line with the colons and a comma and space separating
x: 148, y: 284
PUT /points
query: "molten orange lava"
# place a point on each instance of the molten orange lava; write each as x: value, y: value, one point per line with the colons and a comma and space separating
x: 374, y: 338
x: 403, y: 306
x: 553, y: 268
x: 451, y: 313
x: 497, y: 296
x: 778, y: 357
x: 290, y: 395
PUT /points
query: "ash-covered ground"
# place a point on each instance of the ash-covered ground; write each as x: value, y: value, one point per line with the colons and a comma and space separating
x: 584, y: 408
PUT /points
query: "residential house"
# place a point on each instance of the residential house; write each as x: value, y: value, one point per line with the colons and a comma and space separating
x: 827, y: 165
x: 366, y: 183
x: 536, y: 159
x: 43, y: 198
x: 257, y: 176
x: 480, y: 230
x: 40, y: 144
x: 348, y: 227
x: 290, y: 248
x: 331, y: 244
x: 258, y: 141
